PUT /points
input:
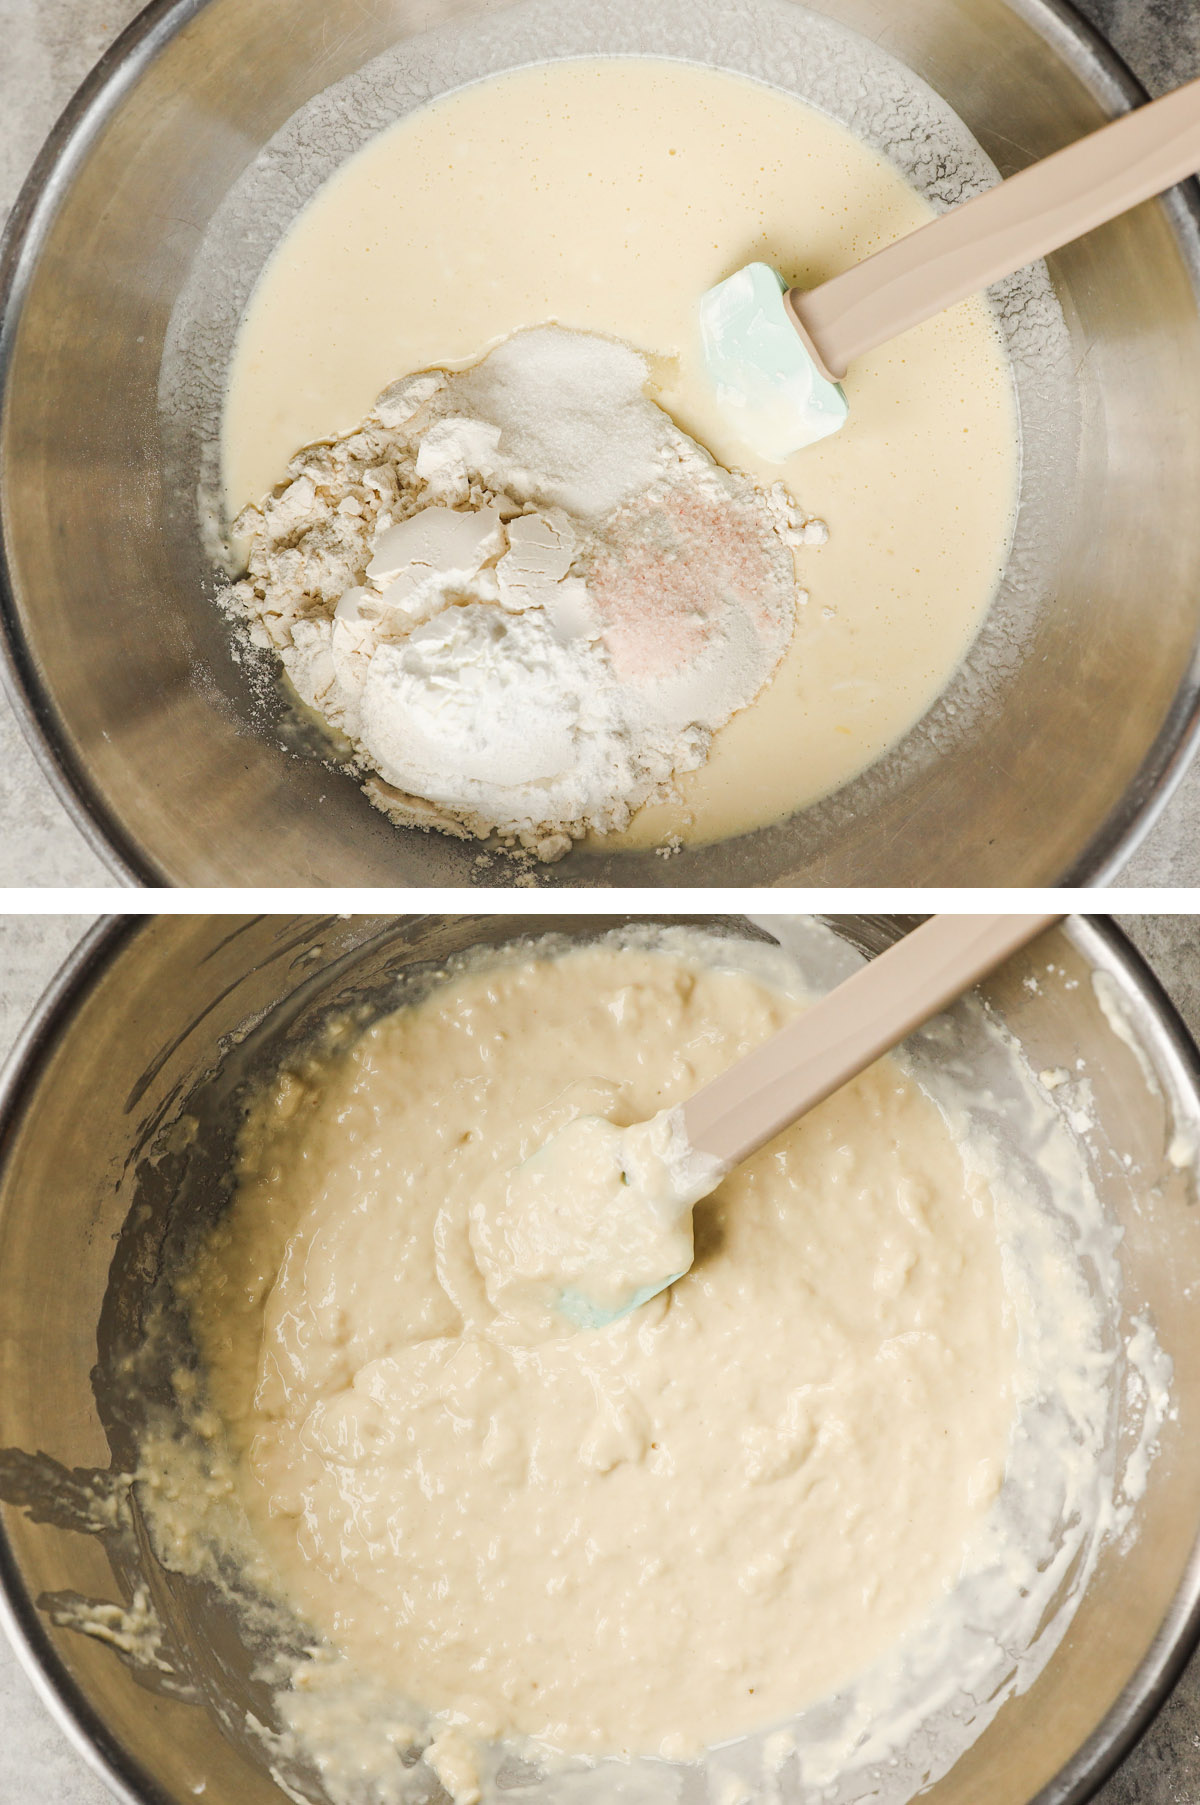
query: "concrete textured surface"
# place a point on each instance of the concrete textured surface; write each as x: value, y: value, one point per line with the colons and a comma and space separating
x: 38, y: 1763
x: 48, y: 47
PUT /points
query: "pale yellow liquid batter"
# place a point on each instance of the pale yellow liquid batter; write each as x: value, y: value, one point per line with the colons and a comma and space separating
x: 608, y: 196
x: 649, y: 1537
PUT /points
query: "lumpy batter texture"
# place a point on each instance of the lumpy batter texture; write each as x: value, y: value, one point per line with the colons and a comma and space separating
x: 645, y: 1538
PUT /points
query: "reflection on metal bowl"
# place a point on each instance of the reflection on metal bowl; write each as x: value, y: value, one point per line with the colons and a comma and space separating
x: 1051, y: 750
x: 117, y: 1125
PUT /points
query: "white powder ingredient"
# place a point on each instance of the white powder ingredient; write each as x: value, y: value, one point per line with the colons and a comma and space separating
x: 525, y: 597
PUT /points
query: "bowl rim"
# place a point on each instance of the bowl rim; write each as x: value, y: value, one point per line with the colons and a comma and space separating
x: 1064, y: 29
x: 1176, y: 1055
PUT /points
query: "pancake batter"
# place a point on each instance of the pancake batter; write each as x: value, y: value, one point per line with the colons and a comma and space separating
x: 646, y: 1538
x: 608, y: 196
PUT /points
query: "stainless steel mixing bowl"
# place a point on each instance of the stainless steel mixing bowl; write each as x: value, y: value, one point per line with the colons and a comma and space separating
x: 1042, y: 767
x: 122, y: 1100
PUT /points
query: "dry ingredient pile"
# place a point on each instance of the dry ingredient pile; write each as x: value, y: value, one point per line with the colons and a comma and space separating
x: 525, y: 597
x: 833, y: 1462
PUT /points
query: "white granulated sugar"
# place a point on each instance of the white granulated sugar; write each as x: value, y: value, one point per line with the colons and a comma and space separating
x: 577, y: 429
x: 525, y: 597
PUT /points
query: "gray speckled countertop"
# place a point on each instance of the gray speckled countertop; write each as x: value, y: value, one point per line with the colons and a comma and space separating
x: 49, y: 45
x: 37, y: 1762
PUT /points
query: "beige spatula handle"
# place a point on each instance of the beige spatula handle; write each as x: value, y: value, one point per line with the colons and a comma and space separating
x: 1019, y: 220
x: 860, y: 1019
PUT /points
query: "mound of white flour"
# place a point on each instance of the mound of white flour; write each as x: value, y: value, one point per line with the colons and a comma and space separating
x: 525, y: 596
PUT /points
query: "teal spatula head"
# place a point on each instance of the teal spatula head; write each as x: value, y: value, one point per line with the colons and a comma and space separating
x: 594, y: 1223
x: 775, y: 397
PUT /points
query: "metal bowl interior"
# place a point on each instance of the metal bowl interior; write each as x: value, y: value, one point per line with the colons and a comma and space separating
x: 1050, y: 751
x: 149, y: 1016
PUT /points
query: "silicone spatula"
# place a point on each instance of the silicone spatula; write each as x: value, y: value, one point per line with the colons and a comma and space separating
x: 777, y: 354
x: 608, y: 1210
